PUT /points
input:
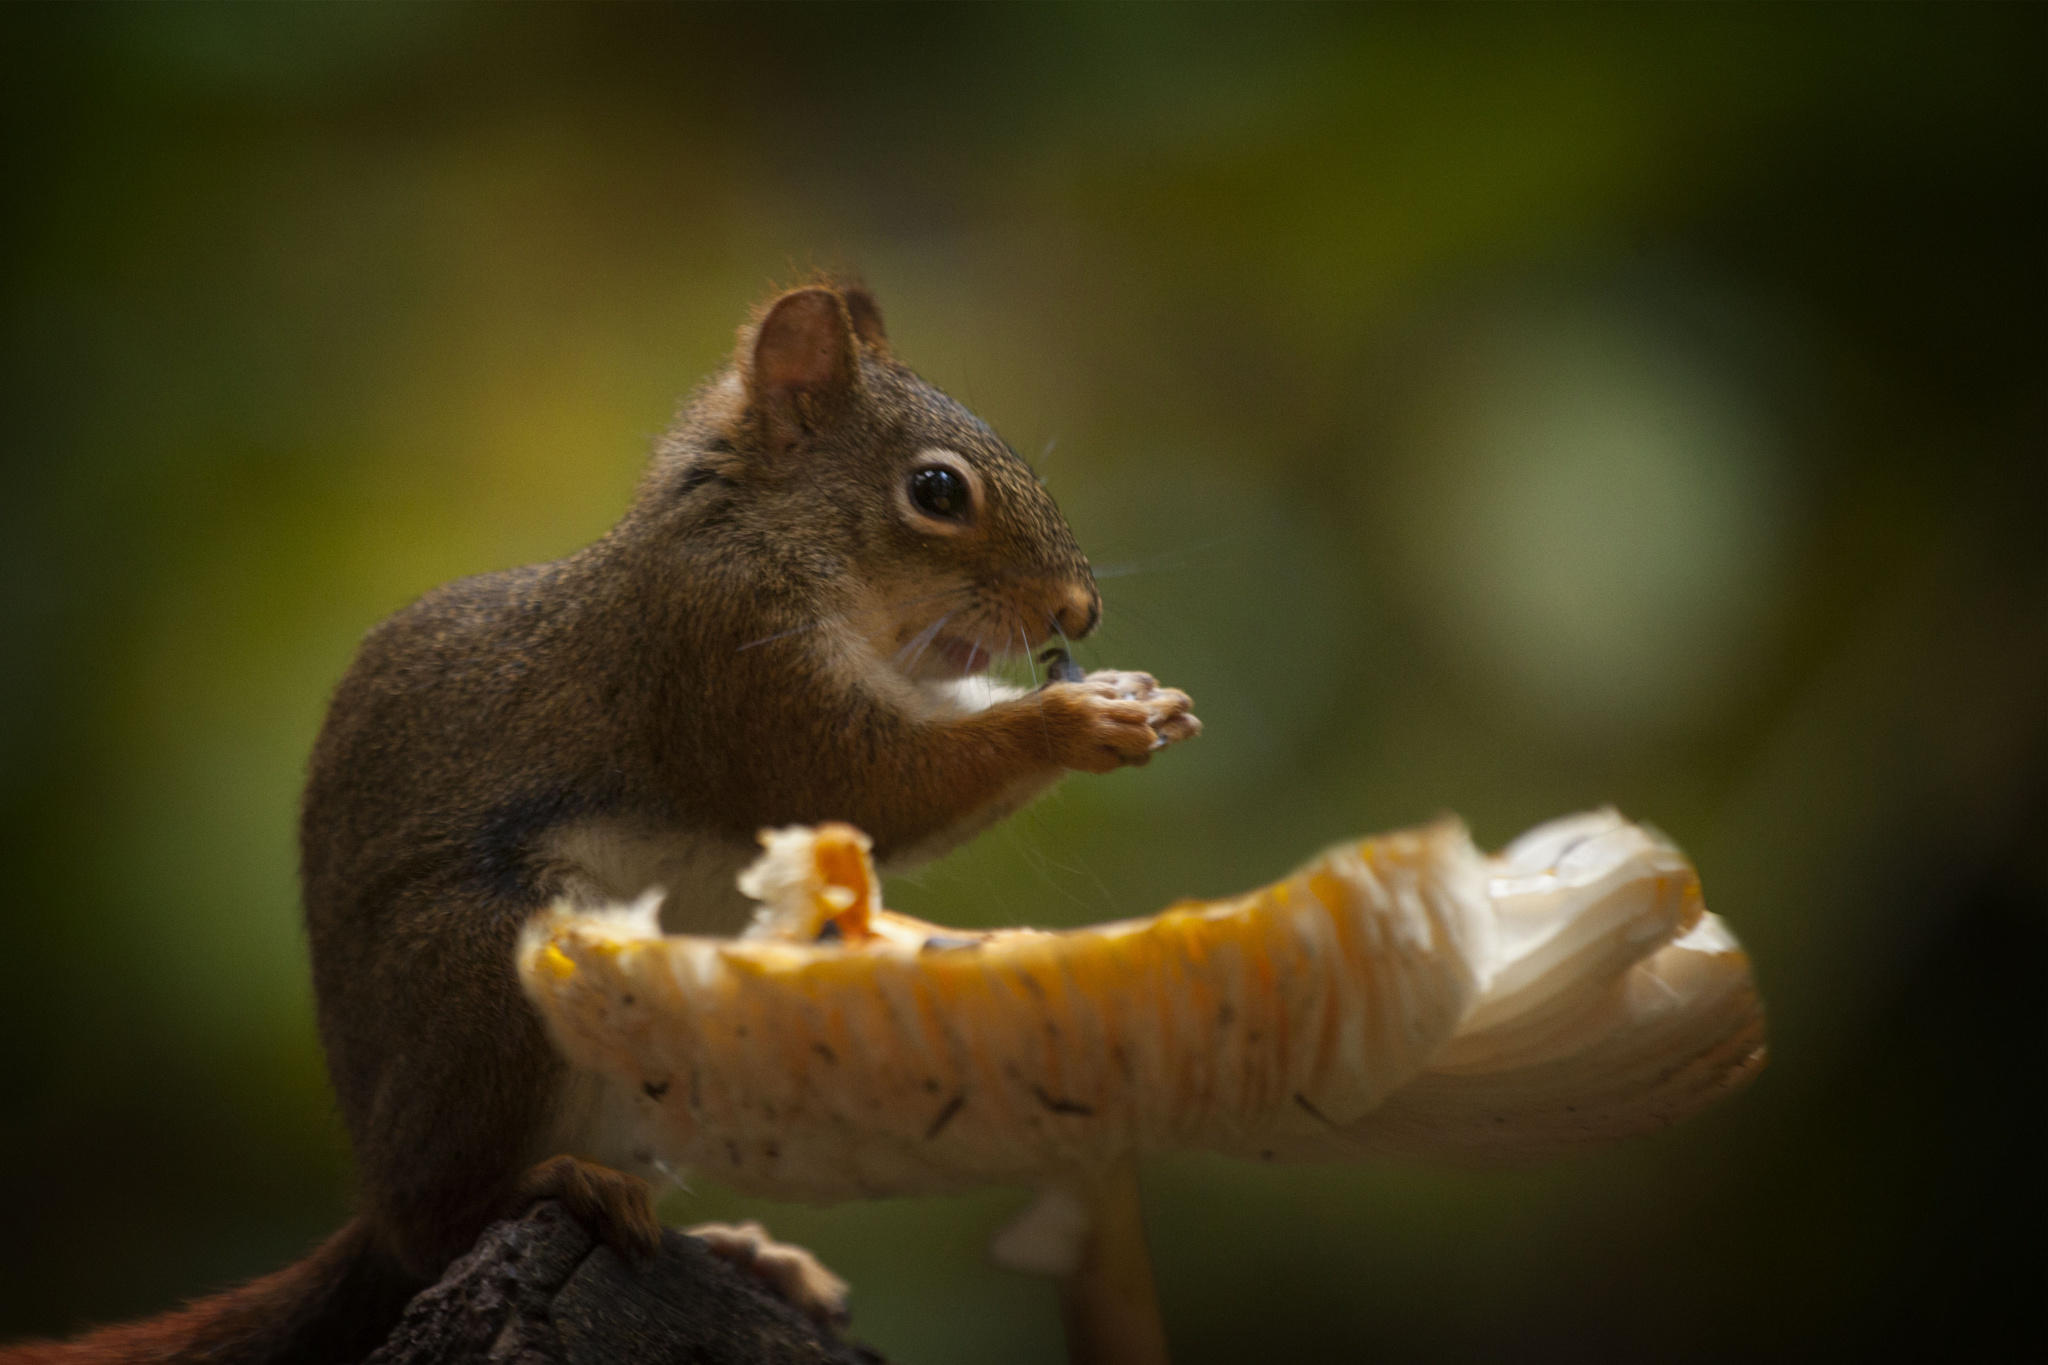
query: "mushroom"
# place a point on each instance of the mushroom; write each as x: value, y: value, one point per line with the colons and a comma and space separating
x: 1399, y: 994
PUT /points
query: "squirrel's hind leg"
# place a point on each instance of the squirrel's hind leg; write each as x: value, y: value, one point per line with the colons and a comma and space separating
x: 788, y: 1271
x: 616, y: 1207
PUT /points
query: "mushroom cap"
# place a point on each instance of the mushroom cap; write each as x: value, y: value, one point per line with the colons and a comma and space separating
x: 1402, y: 993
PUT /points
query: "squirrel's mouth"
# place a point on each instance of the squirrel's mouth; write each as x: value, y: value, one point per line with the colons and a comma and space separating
x: 964, y: 657
x: 945, y: 655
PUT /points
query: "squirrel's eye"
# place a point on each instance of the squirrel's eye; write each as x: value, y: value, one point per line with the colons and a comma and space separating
x: 939, y: 491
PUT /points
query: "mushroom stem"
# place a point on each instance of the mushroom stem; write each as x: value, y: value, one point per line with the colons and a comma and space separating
x: 1108, y: 1304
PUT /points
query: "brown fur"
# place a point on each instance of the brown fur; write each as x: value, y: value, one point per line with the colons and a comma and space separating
x: 734, y: 654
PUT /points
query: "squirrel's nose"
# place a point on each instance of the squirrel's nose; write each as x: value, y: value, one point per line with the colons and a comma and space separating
x: 1081, y: 610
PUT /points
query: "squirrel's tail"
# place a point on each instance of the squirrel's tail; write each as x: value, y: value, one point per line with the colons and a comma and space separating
x: 335, y: 1306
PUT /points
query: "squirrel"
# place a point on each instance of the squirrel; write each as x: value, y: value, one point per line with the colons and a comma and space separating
x: 790, y: 624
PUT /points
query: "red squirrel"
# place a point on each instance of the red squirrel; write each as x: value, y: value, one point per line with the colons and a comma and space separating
x: 789, y: 625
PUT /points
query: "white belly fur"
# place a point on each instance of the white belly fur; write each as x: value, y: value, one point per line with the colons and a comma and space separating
x: 600, y: 862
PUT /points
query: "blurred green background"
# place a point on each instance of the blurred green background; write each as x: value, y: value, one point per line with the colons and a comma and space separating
x: 1493, y: 410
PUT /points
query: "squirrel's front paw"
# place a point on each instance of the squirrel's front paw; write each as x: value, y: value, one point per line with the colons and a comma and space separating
x: 1112, y: 719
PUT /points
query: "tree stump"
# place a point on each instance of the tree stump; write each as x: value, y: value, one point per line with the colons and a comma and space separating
x: 539, y: 1290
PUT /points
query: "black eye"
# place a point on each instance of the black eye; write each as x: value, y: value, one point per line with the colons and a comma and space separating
x: 940, y: 491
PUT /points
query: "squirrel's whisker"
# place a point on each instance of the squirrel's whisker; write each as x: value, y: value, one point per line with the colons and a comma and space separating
x: 916, y: 648
x: 1165, y: 560
x: 1052, y: 619
x: 831, y: 617
x: 793, y: 630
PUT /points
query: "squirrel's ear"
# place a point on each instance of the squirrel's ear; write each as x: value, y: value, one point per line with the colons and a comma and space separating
x: 803, y: 365
x: 867, y: 317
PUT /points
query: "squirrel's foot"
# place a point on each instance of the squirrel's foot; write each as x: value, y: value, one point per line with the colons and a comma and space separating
x: 618, y: 1208
x: 790, y: 1272
x: 1112, y: 719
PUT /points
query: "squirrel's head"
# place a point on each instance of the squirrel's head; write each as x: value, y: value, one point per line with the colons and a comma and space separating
x: 871, y: 491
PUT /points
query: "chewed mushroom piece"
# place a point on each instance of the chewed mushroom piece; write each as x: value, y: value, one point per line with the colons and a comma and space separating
x: 1403, y: 993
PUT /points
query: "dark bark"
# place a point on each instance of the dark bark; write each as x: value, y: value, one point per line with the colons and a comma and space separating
x: 540, y: 1291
